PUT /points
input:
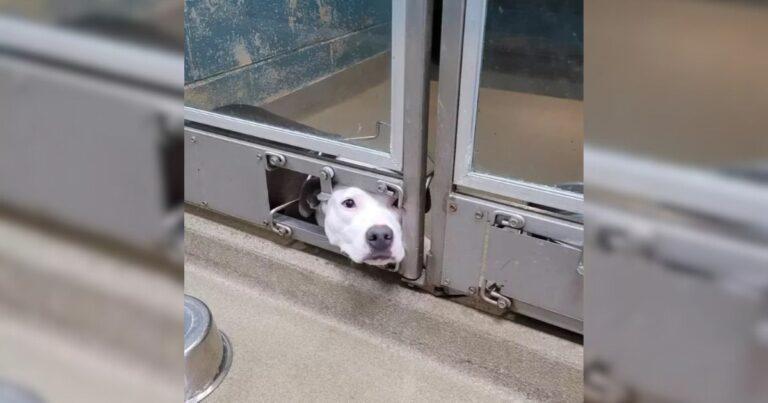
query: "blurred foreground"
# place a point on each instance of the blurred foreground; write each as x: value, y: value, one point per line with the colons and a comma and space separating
x: 676, y: 171
x: 91, y: 278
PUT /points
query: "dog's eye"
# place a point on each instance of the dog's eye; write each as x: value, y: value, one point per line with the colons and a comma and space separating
x: 348, y: 203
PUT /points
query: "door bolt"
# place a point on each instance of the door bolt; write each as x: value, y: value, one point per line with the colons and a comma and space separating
x: 452, y: 207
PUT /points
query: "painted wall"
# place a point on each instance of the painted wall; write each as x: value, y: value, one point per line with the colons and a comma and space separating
x: 252, y: 51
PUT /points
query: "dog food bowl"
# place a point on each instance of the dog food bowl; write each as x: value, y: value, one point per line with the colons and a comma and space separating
x: 207, y: 352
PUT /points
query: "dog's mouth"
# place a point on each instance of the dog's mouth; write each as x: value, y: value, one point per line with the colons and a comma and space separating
x: 379, y: 259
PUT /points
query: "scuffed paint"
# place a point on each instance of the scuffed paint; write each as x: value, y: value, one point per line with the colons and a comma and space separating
x: 217, y: 42
x: 264, y: 81
x: 241, y: 54
x: 325, y: 11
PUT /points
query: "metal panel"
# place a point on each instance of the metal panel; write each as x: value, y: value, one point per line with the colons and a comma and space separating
x: 223, y: 175
x: 474, y: 24
x: 650, y: 290
x: 703, y: 191
x: 228, y: 175
x: 93, y: 53
x: 59, y: 125
x: 535, y: 271
x: 463, y: 256
x: 542, y: 280
x: 295, y: 138
x: 452, y: 33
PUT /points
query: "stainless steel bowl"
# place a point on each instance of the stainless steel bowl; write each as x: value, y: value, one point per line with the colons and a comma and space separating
x: 207, y: 352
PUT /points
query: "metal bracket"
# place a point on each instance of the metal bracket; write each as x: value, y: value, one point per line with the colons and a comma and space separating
x: 326, y: 184
x: 274, y: 161
x: 505, y: 220
x: 392, y: 190
x: 491, y: 295
x: 276, y: 227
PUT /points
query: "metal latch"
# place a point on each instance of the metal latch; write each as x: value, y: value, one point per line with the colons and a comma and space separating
x: 326, y: 184
x: 391, y: 190
x: 507, y: 220
x: 491, y: 295
x: 276, y: 227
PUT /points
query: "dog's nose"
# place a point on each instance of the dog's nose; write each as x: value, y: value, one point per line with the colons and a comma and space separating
x: 379, y: 237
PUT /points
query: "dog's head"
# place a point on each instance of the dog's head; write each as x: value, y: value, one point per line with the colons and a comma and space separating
x: 365, y: 226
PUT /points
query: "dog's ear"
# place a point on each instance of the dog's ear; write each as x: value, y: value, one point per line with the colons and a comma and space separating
x: 308, y: 201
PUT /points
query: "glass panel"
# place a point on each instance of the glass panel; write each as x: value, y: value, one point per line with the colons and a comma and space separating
x: 316, y: 67
x: 529, y: 123
x: 693, y: 75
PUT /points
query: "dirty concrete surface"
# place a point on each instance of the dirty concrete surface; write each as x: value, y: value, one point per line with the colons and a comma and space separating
x: 306, y: 325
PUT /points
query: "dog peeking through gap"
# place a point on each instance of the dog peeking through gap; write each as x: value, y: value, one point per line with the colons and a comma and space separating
x: 365, y: 226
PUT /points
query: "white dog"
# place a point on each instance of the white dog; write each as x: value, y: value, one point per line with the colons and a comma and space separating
x: 365, y: 226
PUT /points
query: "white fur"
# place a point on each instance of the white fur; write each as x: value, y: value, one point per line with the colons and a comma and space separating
x: 346, y: 227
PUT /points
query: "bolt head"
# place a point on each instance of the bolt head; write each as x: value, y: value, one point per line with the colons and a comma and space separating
x: 193, y: 139
x: 479, y: 214
x: 452, y: 207
x: 502, y: 304
x: 381, y: 187
x: 472, y: 290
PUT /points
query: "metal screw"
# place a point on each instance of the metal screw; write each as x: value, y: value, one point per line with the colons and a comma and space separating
x: 472, y: 290
x: 204, y: 203
x: 446, y: 282
x: 193, y: 139
x: 479, y: 214
x: 452, y: 207
x: 381, y: 187
x: 258, y: 156
x: 502, y: 303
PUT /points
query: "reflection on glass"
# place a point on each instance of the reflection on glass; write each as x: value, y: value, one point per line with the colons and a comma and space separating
x: 529, y: 111
x: 318, y: 67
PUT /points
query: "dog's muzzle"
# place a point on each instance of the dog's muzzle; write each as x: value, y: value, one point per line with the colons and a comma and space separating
x: 379, y: 239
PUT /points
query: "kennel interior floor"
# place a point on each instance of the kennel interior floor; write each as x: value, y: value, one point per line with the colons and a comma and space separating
x: 306, y: 325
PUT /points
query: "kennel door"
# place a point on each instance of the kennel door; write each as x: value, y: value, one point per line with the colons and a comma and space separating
x: 520, y: 122
x: 323, y: 76
x: 513, y: 230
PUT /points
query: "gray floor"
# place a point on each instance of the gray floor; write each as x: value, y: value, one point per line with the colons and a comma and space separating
x: 306, y: 326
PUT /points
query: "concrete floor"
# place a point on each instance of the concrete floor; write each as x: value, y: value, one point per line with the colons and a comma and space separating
x: 307, y: 326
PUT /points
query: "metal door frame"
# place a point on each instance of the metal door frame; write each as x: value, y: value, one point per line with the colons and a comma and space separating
x: 461, y: 50
x: 404, y: 167
x: 464, y: 175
